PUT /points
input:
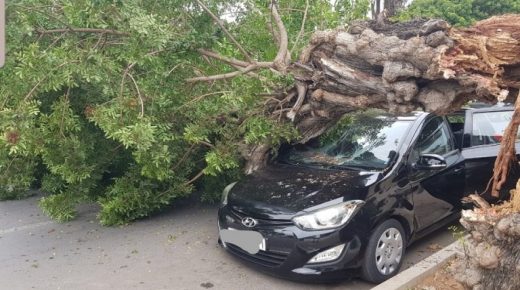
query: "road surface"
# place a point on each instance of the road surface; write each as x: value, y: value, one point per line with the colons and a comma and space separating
x: 174, y: 250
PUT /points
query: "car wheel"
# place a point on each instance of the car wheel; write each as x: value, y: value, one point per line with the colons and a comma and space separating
x: 384, y: 252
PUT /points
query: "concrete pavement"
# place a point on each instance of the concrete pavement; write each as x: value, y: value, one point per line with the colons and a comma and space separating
x: 174, y: 250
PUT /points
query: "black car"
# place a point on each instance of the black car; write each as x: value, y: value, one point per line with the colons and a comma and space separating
x: 349, y: 202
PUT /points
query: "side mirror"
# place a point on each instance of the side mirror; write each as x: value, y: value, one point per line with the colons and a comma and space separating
x: 430, y: 161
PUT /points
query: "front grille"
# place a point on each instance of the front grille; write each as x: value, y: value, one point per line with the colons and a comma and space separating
x: 265, y: 258
x: 261, y: 222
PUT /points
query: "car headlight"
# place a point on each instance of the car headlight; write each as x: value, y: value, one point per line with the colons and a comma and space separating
x: 226, y: 191
x: 329, y: 217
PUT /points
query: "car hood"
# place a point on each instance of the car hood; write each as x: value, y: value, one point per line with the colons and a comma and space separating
x: 283, y: 190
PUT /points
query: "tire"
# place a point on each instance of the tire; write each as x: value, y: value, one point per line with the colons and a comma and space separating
x: 384, y: 253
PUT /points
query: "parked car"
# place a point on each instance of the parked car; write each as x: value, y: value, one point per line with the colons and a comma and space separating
x: 349, y: 202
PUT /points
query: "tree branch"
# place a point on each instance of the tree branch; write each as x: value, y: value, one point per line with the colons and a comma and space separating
x: 238, y: 64
x: 302, y: 92
x: 138, y: 94
x: 219, y: 22
x: 279, y: 65
x: 207, y: 144
x: 229, y: 60
x: 247, y: 69
x: 276, y: 34
x: 123, y: 78
x: 84, y: 30
x: 195, y: 177
x: 302, y: 28
x: 507, y: 153
x: 282, y: 58
x: 235, y: 62
x: 31, y: 92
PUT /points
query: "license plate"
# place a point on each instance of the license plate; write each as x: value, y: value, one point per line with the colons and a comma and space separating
x: 249, y: 241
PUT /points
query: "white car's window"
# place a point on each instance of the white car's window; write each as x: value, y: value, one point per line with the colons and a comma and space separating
x: 488, y: 128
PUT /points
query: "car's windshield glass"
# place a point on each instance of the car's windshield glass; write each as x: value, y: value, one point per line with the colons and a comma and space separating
x: 367, y: 140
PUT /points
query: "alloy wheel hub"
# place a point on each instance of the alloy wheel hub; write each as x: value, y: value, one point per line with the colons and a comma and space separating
x: 389, y: 251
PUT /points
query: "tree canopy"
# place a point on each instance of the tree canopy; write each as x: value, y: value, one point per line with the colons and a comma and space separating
x: 94, y: 104
x: 459, y: 12
x: 102, y: 100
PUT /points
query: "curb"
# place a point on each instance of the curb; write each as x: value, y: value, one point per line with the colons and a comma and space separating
x: 410, y: 277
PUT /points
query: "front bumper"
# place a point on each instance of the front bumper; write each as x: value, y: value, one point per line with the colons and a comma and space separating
x: 289, y: 248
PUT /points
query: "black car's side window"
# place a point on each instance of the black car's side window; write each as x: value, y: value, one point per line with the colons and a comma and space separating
x: 434, y: 138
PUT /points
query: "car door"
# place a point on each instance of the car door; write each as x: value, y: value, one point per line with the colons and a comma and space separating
x: 437, y: 188
x: 483, y: 133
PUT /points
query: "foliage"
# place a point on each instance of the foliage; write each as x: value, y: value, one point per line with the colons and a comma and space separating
x: 17, y: 164
x: 16, y: 176
x: 93, y: 94
x: 211, y: 186
x: 133, y: 196
x: 459, y: 12
x: 60, y: 207
x: 335, y: 133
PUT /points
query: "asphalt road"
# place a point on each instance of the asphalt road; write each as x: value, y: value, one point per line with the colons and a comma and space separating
x: 174, y: 250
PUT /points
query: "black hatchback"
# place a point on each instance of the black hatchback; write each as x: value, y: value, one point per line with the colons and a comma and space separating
x: 349, y: 202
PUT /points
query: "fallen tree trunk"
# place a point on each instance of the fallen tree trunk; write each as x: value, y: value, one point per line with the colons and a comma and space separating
x: 492, y: 251
x: 406, y: 66
x: 403, y: 67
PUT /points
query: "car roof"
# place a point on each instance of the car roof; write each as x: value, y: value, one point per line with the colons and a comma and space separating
x: 478, y: 107
x: 474, y: 107
x: 410, y: 116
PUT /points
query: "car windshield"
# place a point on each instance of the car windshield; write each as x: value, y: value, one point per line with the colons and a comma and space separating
x: 367, y: 140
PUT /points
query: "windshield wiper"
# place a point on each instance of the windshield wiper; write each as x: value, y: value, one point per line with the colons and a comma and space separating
x: 350, y: 167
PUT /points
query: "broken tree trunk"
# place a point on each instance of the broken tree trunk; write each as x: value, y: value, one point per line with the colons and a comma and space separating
x: 492, y: 250
x: 403, y: 67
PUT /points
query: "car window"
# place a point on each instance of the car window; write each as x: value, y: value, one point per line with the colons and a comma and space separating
x: 434, y: 138
x: 457, y: 122
x: 488, y: 127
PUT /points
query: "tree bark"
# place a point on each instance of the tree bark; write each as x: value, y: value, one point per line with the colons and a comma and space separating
x: 393, y: 6
x: 492, y: 250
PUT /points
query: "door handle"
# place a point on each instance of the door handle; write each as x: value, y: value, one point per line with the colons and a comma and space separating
x: 458, y: 170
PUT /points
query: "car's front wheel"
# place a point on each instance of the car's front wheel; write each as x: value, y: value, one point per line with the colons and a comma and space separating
x: 384, y: 252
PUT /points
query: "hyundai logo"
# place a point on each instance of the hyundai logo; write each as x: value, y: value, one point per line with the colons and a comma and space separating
x: 249, y: 222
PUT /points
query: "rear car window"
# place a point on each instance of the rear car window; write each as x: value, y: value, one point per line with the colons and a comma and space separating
x: 488, y: 128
